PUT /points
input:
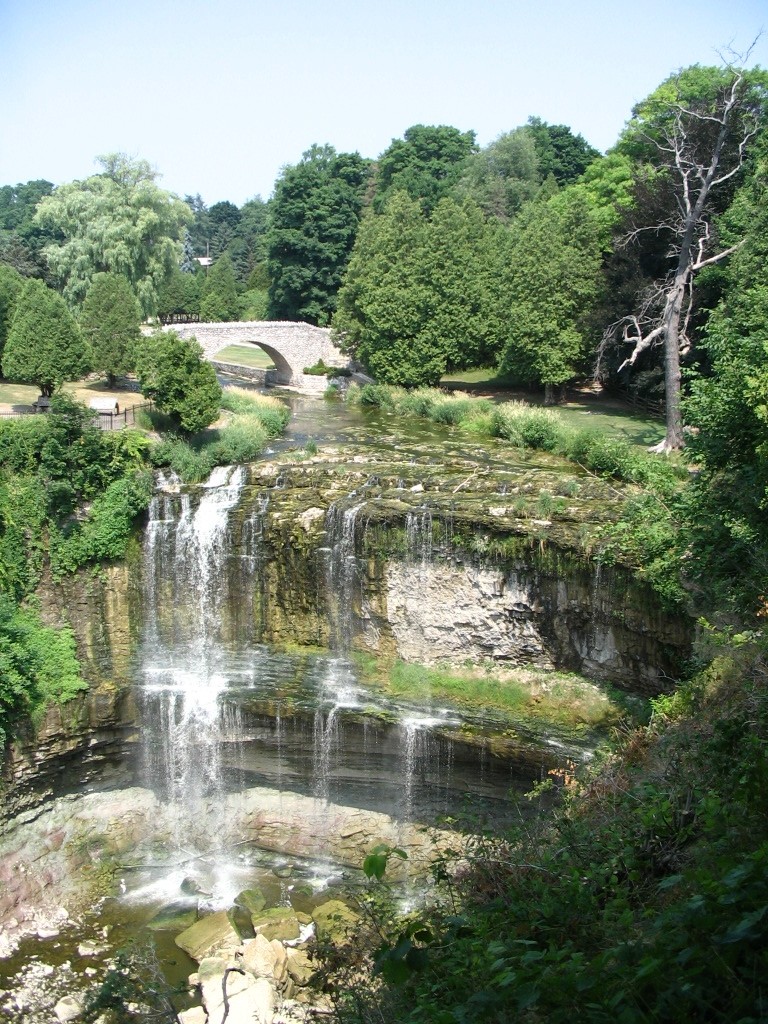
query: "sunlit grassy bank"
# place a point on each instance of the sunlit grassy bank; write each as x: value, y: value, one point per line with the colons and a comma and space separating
x: 245, y: 355
x: 581, y: 410
x: 23, y: 395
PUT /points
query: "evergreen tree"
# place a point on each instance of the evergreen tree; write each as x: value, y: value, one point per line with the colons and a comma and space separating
x: 459, y: 269
x: 383, y: 305
x: 11, y: 283
x: 111, y: 323
x: 44, y: 346
x: 550, y: 285
x: 219, y: 299
x: 419, y: 296
x: 179, y: 295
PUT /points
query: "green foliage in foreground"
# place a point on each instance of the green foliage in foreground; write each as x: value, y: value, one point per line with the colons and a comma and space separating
x: 49, y: 468
x: 37, y: 665
x: 644, y: 898
x: 103, y: 534
x: 70, y: 495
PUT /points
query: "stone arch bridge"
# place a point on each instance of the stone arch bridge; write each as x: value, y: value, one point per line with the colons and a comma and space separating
x: 290, y: 345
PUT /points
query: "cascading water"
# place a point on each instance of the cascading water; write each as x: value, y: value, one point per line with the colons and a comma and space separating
x: 337, y: 692
x: 342, y: 572
x: 182, y: 686
x: 418, y: 535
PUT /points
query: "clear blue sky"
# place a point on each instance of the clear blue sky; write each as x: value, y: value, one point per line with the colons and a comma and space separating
x: 218, y: 95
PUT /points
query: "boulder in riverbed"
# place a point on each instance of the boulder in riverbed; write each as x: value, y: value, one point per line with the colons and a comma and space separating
x: 208, y: 936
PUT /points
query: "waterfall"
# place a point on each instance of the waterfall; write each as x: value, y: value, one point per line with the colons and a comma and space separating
x: 337, y: 692
x: 418, y: 535
x: 186, y: 717
x: 342, y: 573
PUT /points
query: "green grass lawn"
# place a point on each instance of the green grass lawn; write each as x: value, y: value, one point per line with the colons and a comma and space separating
x: 83, y: 390
x: 245, y: 355
x: 593, y: 411
x: 25, y: 394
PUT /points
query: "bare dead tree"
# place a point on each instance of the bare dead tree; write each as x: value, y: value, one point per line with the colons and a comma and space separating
x: 700, y: 146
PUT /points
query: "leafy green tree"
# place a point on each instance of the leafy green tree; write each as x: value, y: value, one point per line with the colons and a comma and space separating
x: 174, y: 374
x: 219, y: 299
x: 44, y: 345
x: 314, y: 216
x: 728, y: 406
x: 119, y: 222
x: 550, y: 284
x: 426, y: 164
x: 21, y: 239
x: 503, y: 176
x: 11, y: 283
x: 559, y: 152
x: 18, y: 204
x: 111, y: 323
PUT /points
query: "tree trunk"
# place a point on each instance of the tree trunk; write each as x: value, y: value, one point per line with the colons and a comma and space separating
x: 550, y: 394
x: 671, y: 318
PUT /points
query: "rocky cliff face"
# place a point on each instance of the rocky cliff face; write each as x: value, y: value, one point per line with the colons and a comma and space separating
x: 426, y: 574
x: 88, y: 742
x: 427, y: 562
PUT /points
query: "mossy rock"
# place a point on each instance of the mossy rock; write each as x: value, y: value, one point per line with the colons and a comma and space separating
x: 209, y: 936
x: 335, y: 921
x: 175, y: 917
x: 278, y: 923
x: 241, y: 921
x: 253, y: 899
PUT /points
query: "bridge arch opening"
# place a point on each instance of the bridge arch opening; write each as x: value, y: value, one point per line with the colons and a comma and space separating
x: 281, y: 371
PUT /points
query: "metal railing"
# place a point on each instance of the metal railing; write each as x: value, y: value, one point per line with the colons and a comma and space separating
x: 104, y: 420
x: 118, y: 420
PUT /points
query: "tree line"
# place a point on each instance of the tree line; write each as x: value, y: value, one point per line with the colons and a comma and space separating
x: 535, y: 254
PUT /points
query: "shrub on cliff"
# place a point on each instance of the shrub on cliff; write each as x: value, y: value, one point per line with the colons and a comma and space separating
x: 37, y: 665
